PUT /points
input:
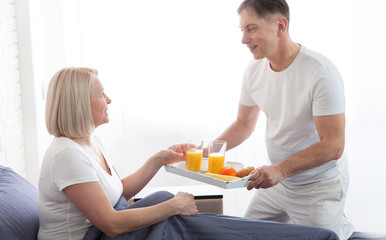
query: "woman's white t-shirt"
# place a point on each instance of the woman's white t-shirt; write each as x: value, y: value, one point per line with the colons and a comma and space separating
x: 67, y: 163
x: 310, y: 86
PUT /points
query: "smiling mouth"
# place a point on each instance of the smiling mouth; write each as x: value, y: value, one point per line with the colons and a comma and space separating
x: 252, y: 48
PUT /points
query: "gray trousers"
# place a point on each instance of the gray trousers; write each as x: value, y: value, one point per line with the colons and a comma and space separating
x: 209, y: 226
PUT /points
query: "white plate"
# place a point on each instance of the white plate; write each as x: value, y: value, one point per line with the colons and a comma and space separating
x: 236, y: 165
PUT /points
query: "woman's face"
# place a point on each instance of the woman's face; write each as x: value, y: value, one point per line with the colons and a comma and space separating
x: 99, y: 102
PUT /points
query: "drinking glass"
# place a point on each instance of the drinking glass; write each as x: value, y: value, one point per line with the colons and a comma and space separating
x: 194, y: 156
x: 216, y: 158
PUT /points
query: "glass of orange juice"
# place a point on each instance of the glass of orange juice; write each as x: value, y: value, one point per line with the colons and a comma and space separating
x: 216, y: 156
x: 194, y: 156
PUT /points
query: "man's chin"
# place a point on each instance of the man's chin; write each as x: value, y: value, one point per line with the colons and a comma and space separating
x: 256, y: 57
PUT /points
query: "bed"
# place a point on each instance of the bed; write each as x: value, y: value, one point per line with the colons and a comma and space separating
x: 19, y: 219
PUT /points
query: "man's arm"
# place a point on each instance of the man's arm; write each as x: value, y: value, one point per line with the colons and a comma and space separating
x: 242, y: 128
x: 331, y: 130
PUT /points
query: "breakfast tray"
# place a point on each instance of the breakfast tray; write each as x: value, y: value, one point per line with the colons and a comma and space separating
x: 179, y: 169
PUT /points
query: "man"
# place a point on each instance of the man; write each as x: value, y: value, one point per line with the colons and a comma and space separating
x: 301, y: 93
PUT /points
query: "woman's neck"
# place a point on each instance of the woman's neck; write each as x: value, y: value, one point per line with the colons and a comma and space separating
x: 83, y: 141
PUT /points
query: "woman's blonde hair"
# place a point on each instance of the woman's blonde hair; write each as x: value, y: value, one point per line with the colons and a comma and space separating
x: 68, y: 109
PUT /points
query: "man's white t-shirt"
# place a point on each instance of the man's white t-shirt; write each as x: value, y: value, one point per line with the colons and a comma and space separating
x: 67, y: 163
x: 310, y: 86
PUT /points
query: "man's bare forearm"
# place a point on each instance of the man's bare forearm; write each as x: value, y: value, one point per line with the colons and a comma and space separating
x: 242, y: 128
x: 235, y: 134
x: 312, y: 157
x: 331, y: 131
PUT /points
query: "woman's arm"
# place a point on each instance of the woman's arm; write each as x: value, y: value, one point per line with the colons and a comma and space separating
x: 92, y: 201
x: 135, y: 182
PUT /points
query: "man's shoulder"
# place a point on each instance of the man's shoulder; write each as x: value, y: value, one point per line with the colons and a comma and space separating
x: 310, y: 56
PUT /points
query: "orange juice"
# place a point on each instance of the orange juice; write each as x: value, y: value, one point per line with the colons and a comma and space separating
x: 193, y: 160
x: 215, y: 162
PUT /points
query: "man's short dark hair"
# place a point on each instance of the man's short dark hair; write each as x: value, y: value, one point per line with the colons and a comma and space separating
x: 266, y: 8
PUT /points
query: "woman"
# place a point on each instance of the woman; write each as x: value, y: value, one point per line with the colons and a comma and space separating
x: 79, y: 188
x: 78, y: 183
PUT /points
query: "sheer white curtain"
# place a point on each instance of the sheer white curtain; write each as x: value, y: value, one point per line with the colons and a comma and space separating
x: 173, y: 70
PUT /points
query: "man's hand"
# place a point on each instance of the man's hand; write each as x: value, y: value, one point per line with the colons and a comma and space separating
x: 265, y: 177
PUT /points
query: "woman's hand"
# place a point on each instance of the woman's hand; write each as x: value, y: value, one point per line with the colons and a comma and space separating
x: 175, y: 153
x: 169, y: 156
x: 180, y: 148
x: 185, y: 204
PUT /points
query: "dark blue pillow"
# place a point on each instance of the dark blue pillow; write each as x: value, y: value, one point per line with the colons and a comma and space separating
x: 19, y: 218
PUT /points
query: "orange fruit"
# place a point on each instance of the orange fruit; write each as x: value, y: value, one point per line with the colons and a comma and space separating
x: 230, y: 171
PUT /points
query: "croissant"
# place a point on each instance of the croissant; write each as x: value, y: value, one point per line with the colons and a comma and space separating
x: 245, y: 172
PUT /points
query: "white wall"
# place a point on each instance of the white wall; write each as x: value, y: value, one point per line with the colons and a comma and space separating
x: 149, y: 54
x: 367, y: 116
x: 11, y: 113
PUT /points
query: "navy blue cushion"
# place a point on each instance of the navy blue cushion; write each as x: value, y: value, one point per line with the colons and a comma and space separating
x: 19, y: 218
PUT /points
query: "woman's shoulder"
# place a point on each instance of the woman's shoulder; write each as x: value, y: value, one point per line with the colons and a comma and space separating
x: 64, y: 147
x: 60, y: 144
x: 64, y: 153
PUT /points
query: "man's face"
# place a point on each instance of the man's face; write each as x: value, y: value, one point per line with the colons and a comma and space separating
x: 260, y: 35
